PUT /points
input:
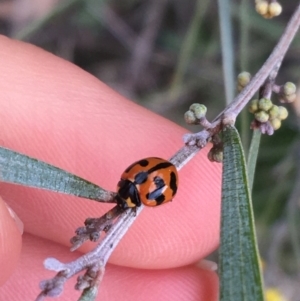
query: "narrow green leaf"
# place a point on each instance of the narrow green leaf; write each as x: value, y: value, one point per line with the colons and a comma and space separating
x: 252, y: 157
x: 20, y: 169
x: 240, y: 277
x: 227, y: 46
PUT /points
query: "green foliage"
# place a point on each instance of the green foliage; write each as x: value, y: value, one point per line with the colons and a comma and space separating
x: 240, y: 277
x: 252, y: 158
x: 21, y: 169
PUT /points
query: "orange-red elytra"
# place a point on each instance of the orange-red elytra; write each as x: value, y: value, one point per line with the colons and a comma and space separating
x: 150, y: 181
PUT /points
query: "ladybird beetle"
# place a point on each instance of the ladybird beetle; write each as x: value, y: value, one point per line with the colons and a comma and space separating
x: 151, y: 181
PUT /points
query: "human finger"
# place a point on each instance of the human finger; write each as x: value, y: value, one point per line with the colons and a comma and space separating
x: 10, y: 241
x: 119, y: 283
x: 58, y: 113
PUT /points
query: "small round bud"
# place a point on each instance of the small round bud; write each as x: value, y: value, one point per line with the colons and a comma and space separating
x: 253, y: 106
x: 218, y: 156
x: 273, y: 112
x: 265, y: 104
x: 266, y: 128
x: 268, y: 16
x: 290, y: 98
x: 289, y: 88
x: 215, y: 155
x: 261, y: 116
x: 199, y: 110
x: 229, y: 118
x: 274, y: 9
x: 189, y: 139
x: 275, y: 123
x: 189, y: 117
x: 240, y: 88
x: 244, y: 78
x: 283, y: 113
x: 262, y: 7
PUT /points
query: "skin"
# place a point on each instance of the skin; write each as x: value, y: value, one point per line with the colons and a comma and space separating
x: 56, y: 112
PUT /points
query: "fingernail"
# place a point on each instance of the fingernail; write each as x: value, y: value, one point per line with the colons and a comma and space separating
x: 18, y: 221
x: 207, y: 265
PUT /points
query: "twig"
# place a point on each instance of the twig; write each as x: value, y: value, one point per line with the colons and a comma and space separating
x: 267, y: 88
x: 114, y: 23
x: 96, y: 258
x: 94, y: 226
x: 144, y: 44
x: 35, y: 26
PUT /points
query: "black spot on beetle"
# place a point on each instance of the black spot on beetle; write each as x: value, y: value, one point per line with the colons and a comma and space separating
x: 159, y: 182
x: 173, y: 183
x: 160, y: 166
x: 143, y: 162
x: 160, y: 199
x: 156, y: 194
x: 141, y: 177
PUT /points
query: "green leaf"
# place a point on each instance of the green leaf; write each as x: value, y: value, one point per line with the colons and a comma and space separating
x: 227, y: 47
x: 252, y: 158
x: 20, y: 169
x: 240, y: 276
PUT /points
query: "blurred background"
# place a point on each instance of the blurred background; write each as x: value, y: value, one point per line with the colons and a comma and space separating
x: 166, y: 55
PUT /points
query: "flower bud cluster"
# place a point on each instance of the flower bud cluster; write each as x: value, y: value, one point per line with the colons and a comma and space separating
x: 268, y: 9
x: 265, y: 111
x: 195, y: 114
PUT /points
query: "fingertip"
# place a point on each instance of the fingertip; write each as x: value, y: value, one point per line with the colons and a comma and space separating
x: 10, y: 241
x: 185, y: 283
